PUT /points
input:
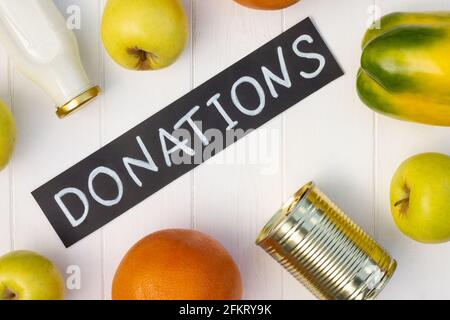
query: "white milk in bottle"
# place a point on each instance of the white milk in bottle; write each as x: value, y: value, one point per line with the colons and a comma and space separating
x: 36, y: 38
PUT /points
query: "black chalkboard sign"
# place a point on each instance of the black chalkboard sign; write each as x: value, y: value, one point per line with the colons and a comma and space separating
x: 161, y: 149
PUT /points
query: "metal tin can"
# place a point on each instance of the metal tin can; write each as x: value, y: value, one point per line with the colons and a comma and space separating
x: 325, y: 250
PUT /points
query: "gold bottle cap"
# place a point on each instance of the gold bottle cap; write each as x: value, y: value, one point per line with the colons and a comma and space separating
x: 78, y: 102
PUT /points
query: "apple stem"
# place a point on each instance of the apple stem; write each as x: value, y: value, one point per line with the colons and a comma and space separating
x: 146, y: 59
x: 404, y: 205
x: 9, y: 295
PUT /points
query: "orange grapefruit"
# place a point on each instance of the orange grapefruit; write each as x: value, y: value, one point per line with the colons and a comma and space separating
x: 177, y: 265
x: 267, y: 4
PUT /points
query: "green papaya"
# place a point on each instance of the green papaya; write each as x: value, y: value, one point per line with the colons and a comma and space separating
x: 405, y: 67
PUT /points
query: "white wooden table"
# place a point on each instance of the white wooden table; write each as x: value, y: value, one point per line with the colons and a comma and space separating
x: 353, y: 152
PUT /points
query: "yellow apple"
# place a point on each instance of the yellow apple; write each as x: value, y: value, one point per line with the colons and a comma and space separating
x: 420, y: 197
x: 145, y: 34
x: 7, y: 135
x: 25, y: 275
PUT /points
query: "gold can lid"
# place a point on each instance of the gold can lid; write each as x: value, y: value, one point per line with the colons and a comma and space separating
x: 78, y: 102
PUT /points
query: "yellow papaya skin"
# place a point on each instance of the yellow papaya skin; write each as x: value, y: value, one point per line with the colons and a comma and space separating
x: 405, y: 68
x: 398, y: 19
x: 405, y: 107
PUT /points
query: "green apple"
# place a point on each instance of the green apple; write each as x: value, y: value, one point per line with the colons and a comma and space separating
x: 7, y: 135
x: 420, y: 197
x: 25, y: 275
x: 145, y: 34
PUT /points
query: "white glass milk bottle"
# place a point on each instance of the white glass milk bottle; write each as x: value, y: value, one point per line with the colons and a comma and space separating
x: 36, y: 37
